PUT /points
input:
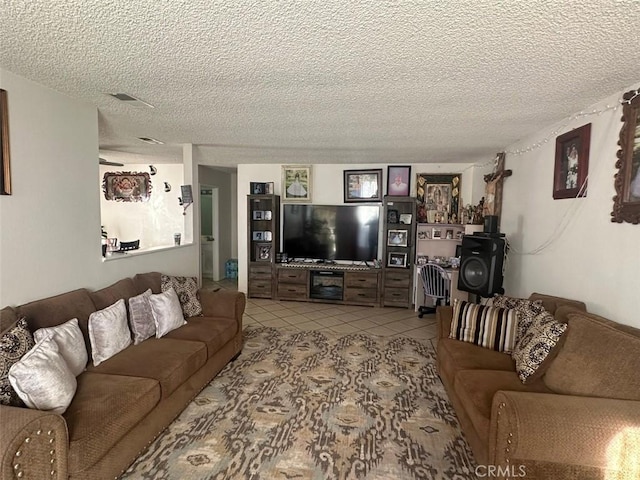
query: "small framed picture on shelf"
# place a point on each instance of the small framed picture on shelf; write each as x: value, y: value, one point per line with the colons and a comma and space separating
x: 397, y: 238
x: 257, y: 236
x: 436, y: 234
x: 258, y: 188
x: 266, y: 215
x: 459, y: 235
x: 392, y: 216
x: 422, y: 260
x: 449, y: 234
x: 263, y: 252
x: 424, y: 235
x: 406, y: 218
x: 266, y: 236
x: 258, y: 214
x: 397, y: 260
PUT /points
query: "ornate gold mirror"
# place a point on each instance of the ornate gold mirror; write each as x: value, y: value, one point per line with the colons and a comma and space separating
x: 626, y: 203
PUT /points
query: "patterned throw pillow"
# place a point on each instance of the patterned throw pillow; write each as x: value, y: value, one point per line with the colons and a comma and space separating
x: 485, y: 326
x: 535, y: 348
x: 527, y: 311
x: 14, y: 344
x: 187, y: 290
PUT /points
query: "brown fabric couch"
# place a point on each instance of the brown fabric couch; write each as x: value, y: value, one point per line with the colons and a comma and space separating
x: 124, y: 403
x: 580, y: 420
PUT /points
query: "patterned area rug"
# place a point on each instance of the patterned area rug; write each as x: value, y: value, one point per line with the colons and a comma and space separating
x: 316, y: 405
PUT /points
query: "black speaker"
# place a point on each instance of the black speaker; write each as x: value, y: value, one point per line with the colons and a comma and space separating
x: 490, y: 224
x: 481, y: 265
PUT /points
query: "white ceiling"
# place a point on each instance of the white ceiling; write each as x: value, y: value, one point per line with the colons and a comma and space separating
x: 324, y: 81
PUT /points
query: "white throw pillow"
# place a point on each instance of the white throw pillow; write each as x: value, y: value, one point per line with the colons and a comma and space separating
x: 70, y: 343
x: 143, y: 325
x: 167, y: 312
x: 42, y: 378
x: 109, y: 332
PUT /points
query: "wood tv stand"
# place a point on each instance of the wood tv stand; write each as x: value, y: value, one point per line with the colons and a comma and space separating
x: 333, y: 283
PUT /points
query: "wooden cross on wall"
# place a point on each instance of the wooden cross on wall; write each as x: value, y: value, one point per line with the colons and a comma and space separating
x: 493, y: 190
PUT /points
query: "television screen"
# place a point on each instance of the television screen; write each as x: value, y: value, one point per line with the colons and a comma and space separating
x: 331, y: 232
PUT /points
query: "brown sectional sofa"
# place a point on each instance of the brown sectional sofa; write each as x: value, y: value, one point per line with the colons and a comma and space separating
x: 580, y: 420
x: 121, y: 405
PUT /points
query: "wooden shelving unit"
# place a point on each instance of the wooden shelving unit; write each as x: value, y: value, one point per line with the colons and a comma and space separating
x: 263, y: 217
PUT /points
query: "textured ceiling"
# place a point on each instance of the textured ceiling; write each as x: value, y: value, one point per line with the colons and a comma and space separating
x: 326, y: 81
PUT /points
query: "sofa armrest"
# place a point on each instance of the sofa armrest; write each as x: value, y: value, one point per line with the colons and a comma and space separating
x: 565, y: 436
x: 33, y: 442
x: 444, y: 315
x: 222, y: 303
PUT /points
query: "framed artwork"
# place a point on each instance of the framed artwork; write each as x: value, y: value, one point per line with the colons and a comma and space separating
x: 296, y: 183
x: 126, y: 186
x: 397, y: 238
x: 362, y: 185
x: 392, y: 216
x: 572, y: 163
x: 5, y: 163
x: 626, y: 202
x: 449, y: 234
x: 398, y: 181
x: 397, y: 260
x: 436, y: 233
x: 405, y: 218
x: 424, y: 235
x: 263, y: 252
x: 422, y: 259
x: 438, y: 197
x: 257, y: 236
x: 258, y: 215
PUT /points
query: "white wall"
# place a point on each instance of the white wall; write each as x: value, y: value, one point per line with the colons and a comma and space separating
x: 327, y: 189
x: 153, y: 222
x: 588, y: 258
x: 50, y: 226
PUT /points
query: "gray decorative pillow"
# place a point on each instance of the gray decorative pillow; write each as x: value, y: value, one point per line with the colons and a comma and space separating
x: 42, y: 378
x: 187, y: 290
x: 70, y: 343
x: 14, y: 344
x: 141, y: 319
x: 108, y: 332
x: 527, y: 310
x: 534, y: 351
x: 166, y: 312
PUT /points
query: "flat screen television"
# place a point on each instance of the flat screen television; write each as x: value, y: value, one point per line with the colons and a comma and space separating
x: 331, y: 232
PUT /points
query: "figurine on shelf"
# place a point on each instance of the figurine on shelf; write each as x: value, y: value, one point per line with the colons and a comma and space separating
x: 454, y: 218
x: 422, y: 213
x: 478, y: 216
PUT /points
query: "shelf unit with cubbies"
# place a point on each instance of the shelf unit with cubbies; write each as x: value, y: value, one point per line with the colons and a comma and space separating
x: 263, y: 219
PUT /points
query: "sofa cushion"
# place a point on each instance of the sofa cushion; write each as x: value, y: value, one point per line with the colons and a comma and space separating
x: 598, y: 359
x: 454, y: 355
x: 52, y: 311
x: 104, y: 409
x: 169, y: 361
x: 476, y: 388
x: 141, y: 319
x: 42, y: 378
x: 488, y: 327
x: 527, y: 310
x: 14, y: 344
x: 187, y: 290
x: 109, y: 332
x: 214, y: 332
x: 539, y: 345
x: 167, y: 313
x: 70, y: 343
x: 144, y: 281
x: 124, y: 288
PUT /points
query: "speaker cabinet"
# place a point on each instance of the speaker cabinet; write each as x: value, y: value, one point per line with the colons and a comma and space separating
x: 481, y: 265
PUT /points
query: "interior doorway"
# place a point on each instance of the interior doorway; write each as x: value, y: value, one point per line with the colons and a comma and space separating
x: 209, y: 233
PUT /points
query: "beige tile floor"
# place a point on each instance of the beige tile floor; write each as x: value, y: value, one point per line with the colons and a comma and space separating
x: 338, y: 318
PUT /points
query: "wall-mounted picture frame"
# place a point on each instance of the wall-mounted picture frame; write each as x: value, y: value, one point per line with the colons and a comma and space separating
x: 572, y: 163
x: 296, y: 183
x: 406, y: 218
x: 438, y: 196
x: 397, y: 238
x: 392, y: 216
x: 397, y: 260
x: 126, y: 186
x: 362, y: 186
x: 398, y: 180
x: 626, y: 202
x: 5, y: 161
x: 263, y: 252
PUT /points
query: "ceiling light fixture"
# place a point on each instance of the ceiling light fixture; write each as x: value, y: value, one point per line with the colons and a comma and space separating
x: 152, y: 141
x: 130, y: 99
